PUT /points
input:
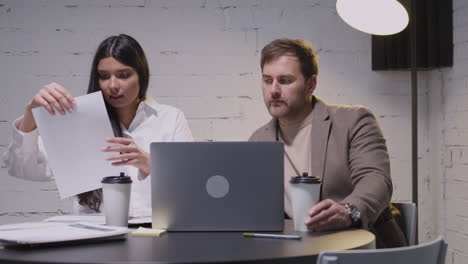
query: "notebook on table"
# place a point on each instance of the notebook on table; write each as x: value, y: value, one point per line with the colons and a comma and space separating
x: 217, y: 186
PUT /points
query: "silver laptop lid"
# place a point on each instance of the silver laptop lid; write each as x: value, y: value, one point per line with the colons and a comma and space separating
x: 217, y: 186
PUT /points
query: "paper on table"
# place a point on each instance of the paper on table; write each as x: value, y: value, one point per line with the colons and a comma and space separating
x: 95, y: 219
x: 73, y: 143
x: 38, y: 233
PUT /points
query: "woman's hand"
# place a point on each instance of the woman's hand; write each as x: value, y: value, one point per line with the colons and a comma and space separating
x: 129, y: 154
x: 54, y: 98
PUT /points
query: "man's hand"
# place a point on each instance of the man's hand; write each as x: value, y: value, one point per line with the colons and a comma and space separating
x: 129, y: 154
x: 328, y: 215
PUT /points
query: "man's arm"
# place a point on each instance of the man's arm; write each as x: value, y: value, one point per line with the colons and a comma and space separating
x: 369, y: 169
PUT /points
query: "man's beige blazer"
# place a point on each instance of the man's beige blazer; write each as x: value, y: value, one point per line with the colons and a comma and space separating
x: 350, y: 156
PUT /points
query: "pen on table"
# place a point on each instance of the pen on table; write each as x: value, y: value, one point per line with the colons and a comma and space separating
x: 259, y: 235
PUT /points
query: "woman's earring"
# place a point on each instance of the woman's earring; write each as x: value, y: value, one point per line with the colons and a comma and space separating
x: 309, y: 98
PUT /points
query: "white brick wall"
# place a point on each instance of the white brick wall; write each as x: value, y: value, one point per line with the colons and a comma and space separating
x: 204, y: 58
x: 454, y: 145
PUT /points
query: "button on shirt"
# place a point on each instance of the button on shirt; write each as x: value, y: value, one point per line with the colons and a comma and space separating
x: 26, y: 157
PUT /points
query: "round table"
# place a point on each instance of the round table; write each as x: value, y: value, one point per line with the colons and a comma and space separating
x: 196, y: 247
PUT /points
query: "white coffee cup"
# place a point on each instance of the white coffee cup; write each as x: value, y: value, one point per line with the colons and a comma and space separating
x: 305, y: 193
x: 116, y: 196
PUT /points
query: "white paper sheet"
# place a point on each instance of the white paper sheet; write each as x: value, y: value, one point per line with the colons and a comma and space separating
x: 73, y: 144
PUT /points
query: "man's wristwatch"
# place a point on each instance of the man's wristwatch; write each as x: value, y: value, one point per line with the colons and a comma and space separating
x: 354, y: 214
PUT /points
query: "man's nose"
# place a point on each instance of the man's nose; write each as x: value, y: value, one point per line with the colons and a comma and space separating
x: 275, y: 88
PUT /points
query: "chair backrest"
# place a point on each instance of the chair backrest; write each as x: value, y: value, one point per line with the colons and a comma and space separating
x: 433, y: 252
x: 409, y: 218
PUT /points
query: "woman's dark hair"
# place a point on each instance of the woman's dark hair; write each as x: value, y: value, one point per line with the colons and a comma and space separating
x: 127, y: 51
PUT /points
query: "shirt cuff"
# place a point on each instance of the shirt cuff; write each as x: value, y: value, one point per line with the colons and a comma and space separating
x: 22, y: 139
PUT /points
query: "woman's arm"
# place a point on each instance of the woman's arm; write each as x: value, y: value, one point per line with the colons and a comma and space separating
x: 26, y: 158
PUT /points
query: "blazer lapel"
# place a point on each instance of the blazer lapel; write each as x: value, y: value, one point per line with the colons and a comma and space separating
x: 320, y: 133
x: 269, y: 131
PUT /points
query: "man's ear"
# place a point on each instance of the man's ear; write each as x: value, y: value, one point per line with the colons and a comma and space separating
x: 311, y: 84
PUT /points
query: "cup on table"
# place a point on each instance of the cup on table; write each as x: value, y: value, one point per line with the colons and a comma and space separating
x: 116, y: 196
x: 305, y: 193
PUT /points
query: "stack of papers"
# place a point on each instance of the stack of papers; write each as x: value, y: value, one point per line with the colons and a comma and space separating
x: 48, y: 232
x: 98, y: 219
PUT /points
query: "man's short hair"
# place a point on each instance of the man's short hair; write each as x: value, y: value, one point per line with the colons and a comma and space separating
x: 297, y: 47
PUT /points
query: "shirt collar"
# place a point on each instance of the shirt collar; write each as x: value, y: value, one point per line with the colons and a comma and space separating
x: 149, y: 106
x: 146, y: 108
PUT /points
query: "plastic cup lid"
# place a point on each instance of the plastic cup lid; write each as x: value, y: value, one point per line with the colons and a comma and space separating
x: 305, y: 178
x: 117, y: 179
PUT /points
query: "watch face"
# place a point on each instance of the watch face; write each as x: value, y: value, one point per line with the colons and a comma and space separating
x: 354, y: 213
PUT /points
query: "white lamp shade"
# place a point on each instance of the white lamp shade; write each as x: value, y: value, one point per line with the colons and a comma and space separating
x: 377, y: 17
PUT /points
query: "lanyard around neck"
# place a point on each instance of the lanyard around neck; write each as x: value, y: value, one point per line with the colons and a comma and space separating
x: 277, y: 126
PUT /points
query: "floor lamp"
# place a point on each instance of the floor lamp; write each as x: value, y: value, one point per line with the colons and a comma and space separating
x: 388, y: 17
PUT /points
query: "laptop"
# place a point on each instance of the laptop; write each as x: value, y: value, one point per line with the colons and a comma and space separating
x: 217, y: 186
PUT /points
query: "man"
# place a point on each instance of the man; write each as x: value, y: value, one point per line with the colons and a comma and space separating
x: 342, y: 145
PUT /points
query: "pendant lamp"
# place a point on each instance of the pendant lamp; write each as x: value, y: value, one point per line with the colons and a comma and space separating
x: 376, y: 17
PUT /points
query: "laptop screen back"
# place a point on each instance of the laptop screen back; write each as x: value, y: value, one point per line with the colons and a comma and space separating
x: 217, y: 186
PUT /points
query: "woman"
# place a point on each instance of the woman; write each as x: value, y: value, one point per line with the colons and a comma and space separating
x: 120, y: 70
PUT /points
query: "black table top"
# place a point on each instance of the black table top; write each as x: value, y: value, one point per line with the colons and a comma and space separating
x: 195, y: 247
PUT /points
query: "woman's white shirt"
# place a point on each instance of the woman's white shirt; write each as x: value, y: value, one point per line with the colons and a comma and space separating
x: 26, y: 157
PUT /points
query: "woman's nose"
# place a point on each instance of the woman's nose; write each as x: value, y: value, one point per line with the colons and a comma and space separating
x: 113, y: 83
